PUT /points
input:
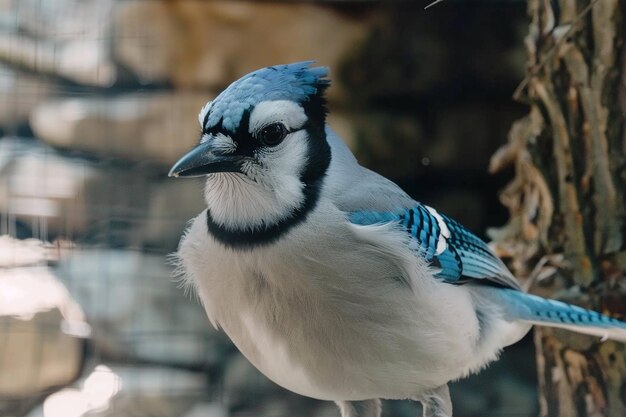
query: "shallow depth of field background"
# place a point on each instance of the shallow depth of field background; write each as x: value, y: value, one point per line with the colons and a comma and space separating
x: 99, y: 97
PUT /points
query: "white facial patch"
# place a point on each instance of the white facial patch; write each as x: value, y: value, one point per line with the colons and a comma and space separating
x: 203, y: 112
x: 287, y: 112
x: 220, y: 143
x: 442, y: 242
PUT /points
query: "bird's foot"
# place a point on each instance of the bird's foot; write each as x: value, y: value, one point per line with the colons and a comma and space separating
x: 437, y: 403
x: 366, y: 408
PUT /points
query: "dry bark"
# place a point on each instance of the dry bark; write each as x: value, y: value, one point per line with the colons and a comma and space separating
x: 566, y: 233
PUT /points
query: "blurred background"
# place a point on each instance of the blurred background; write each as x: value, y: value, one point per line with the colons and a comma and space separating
x: 99, y: 97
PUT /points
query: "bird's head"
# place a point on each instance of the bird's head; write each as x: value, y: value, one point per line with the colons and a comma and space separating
x: 263, y: 146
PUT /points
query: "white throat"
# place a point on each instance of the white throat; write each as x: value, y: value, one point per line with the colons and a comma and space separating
x: 269, y: 192
x: 239, y: 203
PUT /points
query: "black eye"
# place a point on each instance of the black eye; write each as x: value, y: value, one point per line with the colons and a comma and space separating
x: 272, y: 135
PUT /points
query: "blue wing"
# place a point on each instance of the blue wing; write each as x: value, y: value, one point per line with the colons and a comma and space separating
x: 459, y: 254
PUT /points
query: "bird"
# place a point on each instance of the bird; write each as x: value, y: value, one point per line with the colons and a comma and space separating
x: 328, y: 277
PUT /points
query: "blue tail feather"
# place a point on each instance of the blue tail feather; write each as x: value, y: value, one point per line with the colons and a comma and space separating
x: 523, y: 306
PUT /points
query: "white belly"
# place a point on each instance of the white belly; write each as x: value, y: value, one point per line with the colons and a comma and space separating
x: 271, y: 356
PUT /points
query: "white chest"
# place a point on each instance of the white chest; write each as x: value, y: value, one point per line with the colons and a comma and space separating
x: 257, y: 317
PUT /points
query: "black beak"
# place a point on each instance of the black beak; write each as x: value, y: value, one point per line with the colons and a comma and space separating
x: 202, y: 160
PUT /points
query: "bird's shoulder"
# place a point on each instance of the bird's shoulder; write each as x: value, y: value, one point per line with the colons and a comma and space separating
x: 352, y: 187
x: 370, y: 199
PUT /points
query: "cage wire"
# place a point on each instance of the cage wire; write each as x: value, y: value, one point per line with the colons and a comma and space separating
x: 94, y: 107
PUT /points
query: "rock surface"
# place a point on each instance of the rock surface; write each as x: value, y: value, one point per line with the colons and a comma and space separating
x: 224, y: 40
x: 19, y: 94
x: 206, y: 409
x: 42, y: 329
x: 150, y: 127
x: 116, y: 390
x: 64, y: 38
x: 187, y: 44
x: 41, y: 190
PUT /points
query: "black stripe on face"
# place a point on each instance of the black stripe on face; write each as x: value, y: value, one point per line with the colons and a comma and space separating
x: 245, y: 143
x: 206, y: 120
x: 312, y: 177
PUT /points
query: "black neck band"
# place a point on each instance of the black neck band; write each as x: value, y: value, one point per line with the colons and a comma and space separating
x: 251, y: 238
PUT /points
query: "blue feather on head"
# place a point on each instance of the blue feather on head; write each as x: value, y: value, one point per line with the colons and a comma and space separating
x: 297, y: 82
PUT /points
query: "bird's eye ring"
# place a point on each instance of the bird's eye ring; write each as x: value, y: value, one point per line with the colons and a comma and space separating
x: 272, y: 134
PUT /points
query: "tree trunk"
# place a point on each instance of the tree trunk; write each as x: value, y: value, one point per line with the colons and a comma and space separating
x: 567, y: 232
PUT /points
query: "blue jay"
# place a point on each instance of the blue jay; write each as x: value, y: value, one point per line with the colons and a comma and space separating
x: 329, y: 278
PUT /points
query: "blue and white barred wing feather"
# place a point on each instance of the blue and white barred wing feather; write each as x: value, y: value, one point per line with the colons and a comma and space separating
x: 459, y: 255
x: 463, y: 258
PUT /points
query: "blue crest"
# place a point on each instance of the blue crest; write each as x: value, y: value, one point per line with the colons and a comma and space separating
x: 295, y: 82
